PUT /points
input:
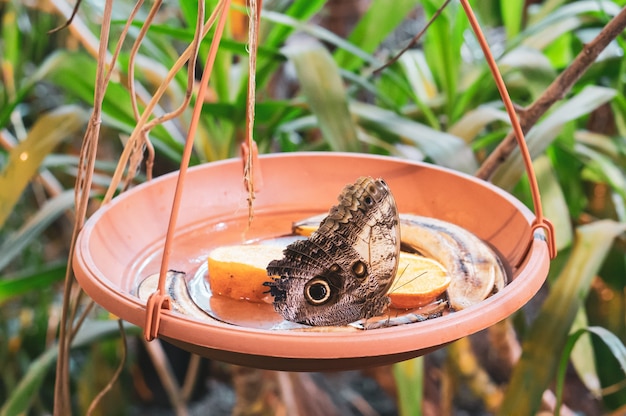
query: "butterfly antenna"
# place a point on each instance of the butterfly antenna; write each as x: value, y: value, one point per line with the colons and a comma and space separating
x: 394, y: 288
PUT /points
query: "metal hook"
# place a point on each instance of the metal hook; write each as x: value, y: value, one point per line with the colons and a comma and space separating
x: 156, y: 303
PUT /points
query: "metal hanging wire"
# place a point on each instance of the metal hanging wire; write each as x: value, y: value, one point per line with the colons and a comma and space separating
x: 540, y: 220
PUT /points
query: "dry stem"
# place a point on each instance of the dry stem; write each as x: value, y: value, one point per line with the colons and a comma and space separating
x: 62, y: 401
x: 413, y: 41
x: 253, y: 38
x: 556, y: 91
x: 166, y: 375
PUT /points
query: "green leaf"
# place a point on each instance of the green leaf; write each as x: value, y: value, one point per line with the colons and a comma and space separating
x: 323, y: 89
x: 568, y: 173
x: 544, y: 133
x: 384, y: 88
x: 551, y: 24
x: 443, y: 148
x: 322, y: 34
x: 551, y: 35
x: 26, y: 85
x: 610, y: 146
x: 189, y: 10
x: 553, y: 201
x: 75, y: 74
x: 30, y: 281
x: 10, y: 47
x: 612, y: 341
x: 186, y: 35
x: 47, y: 214
x: 297, y: 11
x: 553, y: 11
x: 512, y: 14
x: 473, y: 122
x: 442, y: 47
x: 422, y: 82
x: 544, y: 9
x: 281, y: 26
x: 373, y: 27
x: 582, y: 356
x: 533, y: 70
x: 548, y: 334
x: 560, y: 51
x: 25, y: 158
x: 327, y: 36
x: 409, y: 376
x: 600, y: 168
x: 20, y: 399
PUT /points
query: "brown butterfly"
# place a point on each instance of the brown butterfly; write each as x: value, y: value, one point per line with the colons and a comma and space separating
x: 342, y: 272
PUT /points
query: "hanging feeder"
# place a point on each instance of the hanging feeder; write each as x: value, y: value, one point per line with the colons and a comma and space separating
x: 123, y: 242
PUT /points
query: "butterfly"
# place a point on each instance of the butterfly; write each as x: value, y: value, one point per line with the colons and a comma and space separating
x: 342, y: 272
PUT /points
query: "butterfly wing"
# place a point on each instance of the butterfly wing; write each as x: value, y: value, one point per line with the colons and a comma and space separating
x: 342, y: 272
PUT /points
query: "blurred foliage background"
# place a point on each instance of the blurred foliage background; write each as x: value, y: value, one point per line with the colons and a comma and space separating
x: 564, y: 352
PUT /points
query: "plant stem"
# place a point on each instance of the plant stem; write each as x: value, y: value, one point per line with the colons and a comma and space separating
x: 555, y: 91
x: 62, y: 402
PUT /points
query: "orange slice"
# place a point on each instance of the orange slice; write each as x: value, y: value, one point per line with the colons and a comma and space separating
x: 239, y: 271
x: 419, y: 281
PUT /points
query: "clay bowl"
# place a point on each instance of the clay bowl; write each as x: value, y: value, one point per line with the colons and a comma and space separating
x: 122, y: 243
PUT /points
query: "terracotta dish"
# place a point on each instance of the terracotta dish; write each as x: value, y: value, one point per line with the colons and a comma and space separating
x: 122, y: 243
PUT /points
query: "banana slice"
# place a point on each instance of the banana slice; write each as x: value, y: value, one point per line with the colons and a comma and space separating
x: 177, y: 289
x: 476, y: 271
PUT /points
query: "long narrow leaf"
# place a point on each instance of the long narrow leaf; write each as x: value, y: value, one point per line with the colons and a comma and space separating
x: 443, y: 148
x: 11, y: 47
x: 298, y: 10
x: 409, y: 376
x: 74, y: 73
x: 25, y: 158
x: 512, y: 14
x: 475, y: 121
x: 442, y: 47
x: 422, y: 82
x: 544, y: 133
x: 557, y: 12
x: 548, y: 335
x: 602, y: 169
x: 324, y: 91
x: 582, y: 356
x: 544, y: 38
x: 329, y: 37
x: 322, y: 34
x: 373, y: 27
x: 20, y: 399
x: 31, y: 281
x: 535, y: 70
x: 553, y: 201
x: 611, y: 340
x: 48, y: 213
